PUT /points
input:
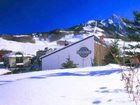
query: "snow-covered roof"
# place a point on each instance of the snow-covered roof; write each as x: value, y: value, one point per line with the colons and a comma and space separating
x: 13, y: 54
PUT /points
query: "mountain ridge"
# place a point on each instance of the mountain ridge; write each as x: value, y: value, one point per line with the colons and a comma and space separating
x: 111, y: 27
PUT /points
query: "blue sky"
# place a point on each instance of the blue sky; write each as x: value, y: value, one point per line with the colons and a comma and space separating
x: 26, y: 16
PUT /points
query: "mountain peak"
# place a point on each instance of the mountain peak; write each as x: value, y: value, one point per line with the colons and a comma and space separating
x: 115, y: 16
x: 91, y: 21
x: 114, y: 23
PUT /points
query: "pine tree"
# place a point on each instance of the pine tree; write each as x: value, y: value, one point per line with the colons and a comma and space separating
x: 69, y: 64
x: 134, y: 37
x: 113, y: 50
x: 136, y: 17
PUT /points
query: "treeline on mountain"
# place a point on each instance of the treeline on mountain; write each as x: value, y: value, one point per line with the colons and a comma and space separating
x: 21, y: 38
x: 134, y: 27
x: 52, y: 35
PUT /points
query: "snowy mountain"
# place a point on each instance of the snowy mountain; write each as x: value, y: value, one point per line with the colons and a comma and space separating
x: 112, y: 27
x: 114, y: 23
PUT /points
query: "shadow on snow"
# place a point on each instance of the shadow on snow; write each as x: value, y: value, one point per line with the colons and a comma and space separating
x: 82, y: 73
x: 90, y: 73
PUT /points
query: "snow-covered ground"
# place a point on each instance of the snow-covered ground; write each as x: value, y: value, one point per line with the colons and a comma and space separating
x: 86, y: 86
x: 4, y: 71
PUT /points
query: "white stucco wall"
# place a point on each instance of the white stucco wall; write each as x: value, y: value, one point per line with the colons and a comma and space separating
x: 55, y: 61
x: 12, y: 62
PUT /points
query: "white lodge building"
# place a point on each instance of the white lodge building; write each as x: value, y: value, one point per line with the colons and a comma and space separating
x: 81, y: 53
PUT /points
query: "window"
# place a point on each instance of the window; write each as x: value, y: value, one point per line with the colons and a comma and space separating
x: 19, y: 59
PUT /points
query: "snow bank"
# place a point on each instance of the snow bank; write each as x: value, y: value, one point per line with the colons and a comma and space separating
x: 86, y: 86
x: 4, y: 71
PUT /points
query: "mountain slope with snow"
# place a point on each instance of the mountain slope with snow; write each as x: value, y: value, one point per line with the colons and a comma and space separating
x: 114, y: 23
x: 87, y: 86
x: 111, y: 26
x: 29, y: 48
x: 32, y: 48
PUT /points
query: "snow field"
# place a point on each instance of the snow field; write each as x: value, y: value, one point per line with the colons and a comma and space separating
x: 81, y: 86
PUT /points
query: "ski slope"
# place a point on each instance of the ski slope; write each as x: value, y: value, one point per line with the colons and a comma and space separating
x: 81, y: 86
x: 28, y: 48
x: 32, y: 48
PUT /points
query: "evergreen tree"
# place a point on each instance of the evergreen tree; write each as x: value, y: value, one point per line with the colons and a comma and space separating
x: 113, y: 52
x: 136, y: 16
x: 69, y: 64
x: 134, y: 37
x: 126, y: 21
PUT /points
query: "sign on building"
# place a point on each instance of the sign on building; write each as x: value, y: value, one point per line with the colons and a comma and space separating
x: 84, y: 52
